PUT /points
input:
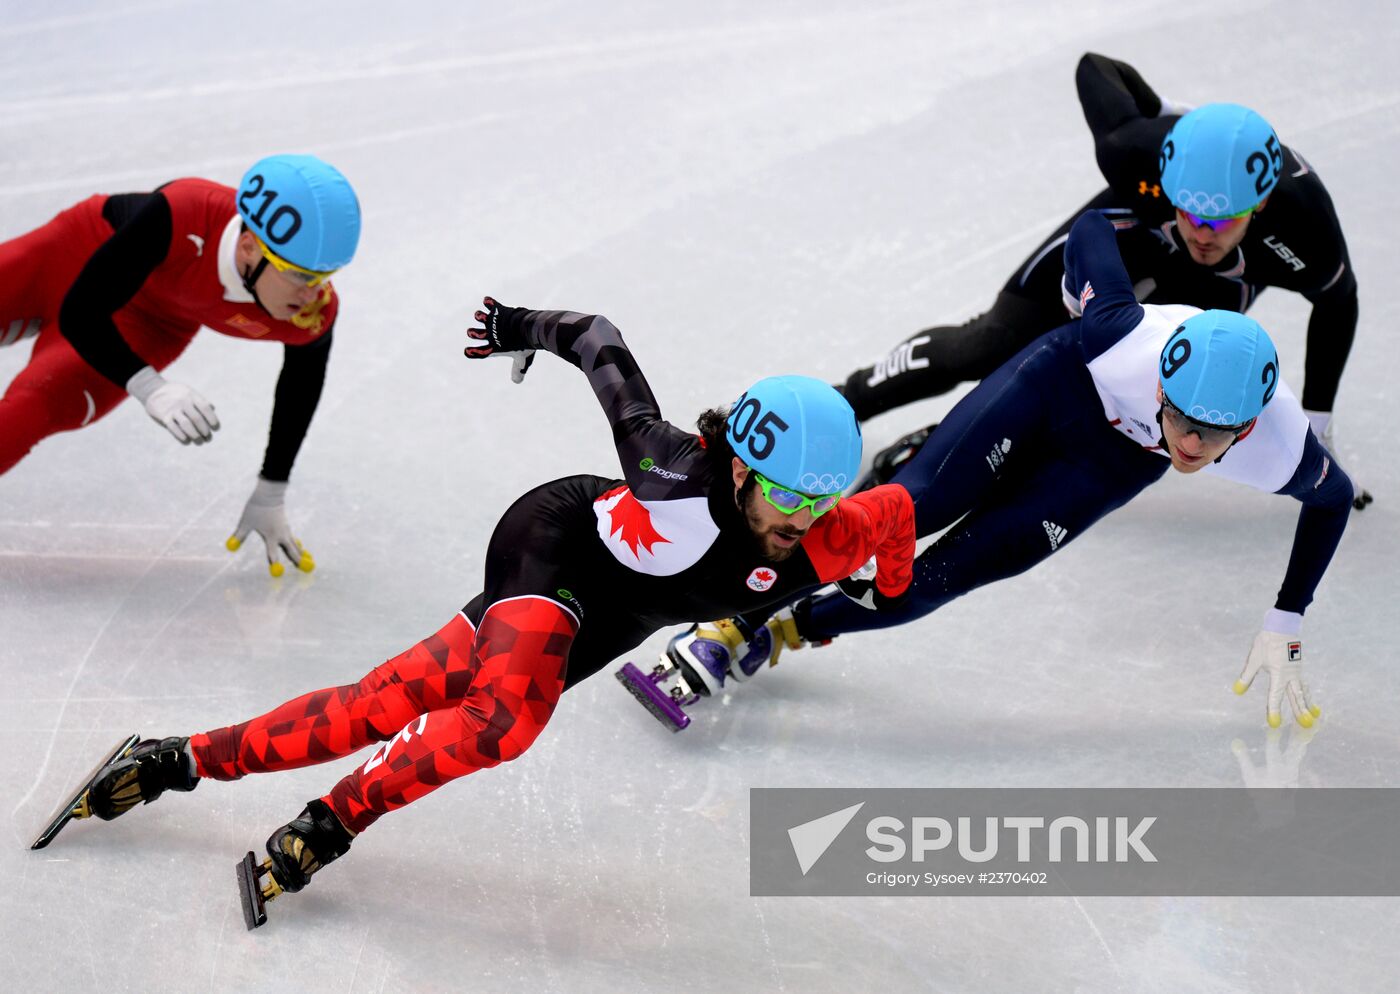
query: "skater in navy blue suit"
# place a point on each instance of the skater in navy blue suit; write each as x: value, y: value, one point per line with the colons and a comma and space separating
x: 1072, y: 427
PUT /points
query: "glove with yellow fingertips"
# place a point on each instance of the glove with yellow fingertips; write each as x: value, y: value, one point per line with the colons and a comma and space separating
x: 1278, y: 651
x: 266, y: 514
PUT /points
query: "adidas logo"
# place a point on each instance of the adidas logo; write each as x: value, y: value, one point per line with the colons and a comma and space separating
x: 1055, y: 533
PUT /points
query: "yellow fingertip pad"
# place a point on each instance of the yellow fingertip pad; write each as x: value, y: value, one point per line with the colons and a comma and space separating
x: 1241, y: 686
x: 276, y: 569
x: 1315, y: 710
x: 233, y: 545
x: 307, y: 564
x: 1275, y: 719
x: 1306, y: 720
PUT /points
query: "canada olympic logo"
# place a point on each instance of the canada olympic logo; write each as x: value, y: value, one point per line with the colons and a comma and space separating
x: 762, y: 578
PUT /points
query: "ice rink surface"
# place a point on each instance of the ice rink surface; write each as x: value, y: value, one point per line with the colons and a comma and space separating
x: 744, y: 189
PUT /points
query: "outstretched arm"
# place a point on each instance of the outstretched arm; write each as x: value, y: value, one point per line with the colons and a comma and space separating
x: 593, y: 344
x: 298, y: 393
x: 1326, y: 493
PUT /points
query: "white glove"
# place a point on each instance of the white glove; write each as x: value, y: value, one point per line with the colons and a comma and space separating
x: 174, y: 406
x: 266, y: 514
x: 1280, y: 655
x: 860, y: 585
x: 519, y: 364
x: 1170, y: 106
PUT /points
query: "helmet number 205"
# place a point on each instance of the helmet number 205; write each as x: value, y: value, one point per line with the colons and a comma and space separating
x: 284, y: 222
x: 749, y: 421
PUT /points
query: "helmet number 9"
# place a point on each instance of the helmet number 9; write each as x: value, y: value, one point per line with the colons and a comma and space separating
x: 1267, y: 177
x: 285, y: 220
x: 749, y: 421
x: 1176, y: 355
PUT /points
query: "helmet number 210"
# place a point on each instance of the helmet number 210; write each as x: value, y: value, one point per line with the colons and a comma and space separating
x: 749, y: 421
x: 285, y: 220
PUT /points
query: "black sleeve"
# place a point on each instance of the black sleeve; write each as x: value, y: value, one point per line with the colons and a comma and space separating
x: 107, y: 282
x: 1331, y: 330
x: 643, y: 439
x: 298, y: 392
x: 1122, y: 113
x: 1112, y: 94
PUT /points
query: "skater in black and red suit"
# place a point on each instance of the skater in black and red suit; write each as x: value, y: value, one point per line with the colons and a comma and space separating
x: 114, y: 288
x: 745, y: 514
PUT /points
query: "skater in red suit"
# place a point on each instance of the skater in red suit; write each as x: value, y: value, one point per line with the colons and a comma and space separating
x: 114, y: 288
x: 578, y: 571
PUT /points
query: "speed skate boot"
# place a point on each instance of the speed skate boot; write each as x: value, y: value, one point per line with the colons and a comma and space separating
x: 296, y: 851
x: 149, y: 770
x: 891, y: 459
x: 134, y: 772
x: 708, y: 653
x: 697, y: 661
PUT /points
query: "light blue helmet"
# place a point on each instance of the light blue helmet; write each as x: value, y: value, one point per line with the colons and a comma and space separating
x: 1219, y: 368
x: 798, y: 432
x: 1220, y: 160
x: 302, y: 209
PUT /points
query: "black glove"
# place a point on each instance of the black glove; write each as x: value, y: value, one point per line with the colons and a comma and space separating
x: 505, y: 336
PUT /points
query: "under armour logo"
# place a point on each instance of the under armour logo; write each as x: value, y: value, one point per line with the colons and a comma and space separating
x: 1144, y: 189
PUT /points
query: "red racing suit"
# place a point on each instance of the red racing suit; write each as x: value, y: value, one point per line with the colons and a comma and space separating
x: 119, y: 282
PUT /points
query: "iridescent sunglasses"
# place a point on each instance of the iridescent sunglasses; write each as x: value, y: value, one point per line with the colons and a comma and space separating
x: 1216, y: 223
x: 306, y: 277
x: 791, y: 501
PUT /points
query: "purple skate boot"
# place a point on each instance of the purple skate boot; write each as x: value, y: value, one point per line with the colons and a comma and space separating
x: 698, y: 661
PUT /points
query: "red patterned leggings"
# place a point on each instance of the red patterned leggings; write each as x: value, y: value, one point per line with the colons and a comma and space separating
x: 460, y: 700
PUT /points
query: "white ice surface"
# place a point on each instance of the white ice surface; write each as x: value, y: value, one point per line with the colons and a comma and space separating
x: 744, y: 189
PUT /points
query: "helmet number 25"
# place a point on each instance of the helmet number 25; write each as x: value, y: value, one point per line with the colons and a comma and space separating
x: 284, y: 222
x: 749, y: 421
x: 1258, y: 162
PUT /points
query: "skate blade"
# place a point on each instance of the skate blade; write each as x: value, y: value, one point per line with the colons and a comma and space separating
x: 662, y: 707
x: 76, y: 806
x: 250, y: 891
